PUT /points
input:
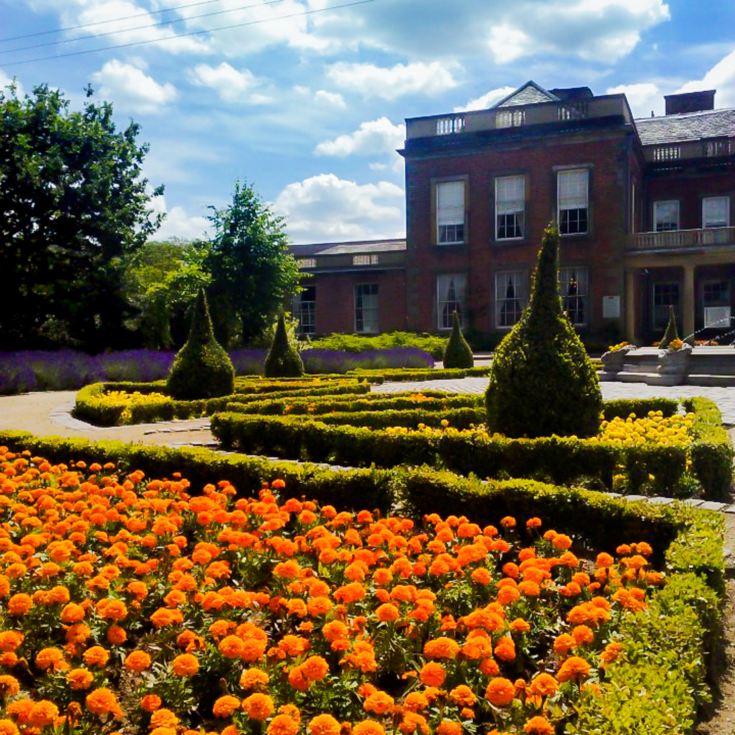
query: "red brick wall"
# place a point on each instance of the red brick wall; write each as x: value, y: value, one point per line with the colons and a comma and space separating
x: 609, y: 157
x: 335, y: 300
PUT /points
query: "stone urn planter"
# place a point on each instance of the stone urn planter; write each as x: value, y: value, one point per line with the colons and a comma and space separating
x: 675, y: 362
x: 613, y: 360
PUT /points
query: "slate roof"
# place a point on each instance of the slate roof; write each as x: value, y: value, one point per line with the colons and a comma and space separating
x: 347, y: 248
x: 686, y: 126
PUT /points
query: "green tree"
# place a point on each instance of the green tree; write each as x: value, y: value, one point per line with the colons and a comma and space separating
x: 161, y: 281
x: 458, y: 353
x: 542, y: 381
x: 73, y: 205
x: 283, y: 359
x: 253, y: 272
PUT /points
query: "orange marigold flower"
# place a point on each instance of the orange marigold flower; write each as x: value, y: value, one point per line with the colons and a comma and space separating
x: 368, y: 727
x: 43, y: 713
x: 185, y: 665
x: 231, y: 646
x: 9, y: 686
x: 563, y: 644
x: 72, y: 613
x: 505, y: 650
x: 225, y: 706
x: 315, y: 668
x: 463, y: 696
x: 137, y: 661
x: 282, y: 725
x: 538, y: 726
x: 387, y: 613
x: 441, y: 648
x: 150, y: 702
x: 543, y: 685
x: 253, y: 679
x: 500, y: 691
x: 10, y: 640
x: 449, y: 727
x: 323, y: 725
x: 96, y: 656
x: 80, y: 679
x: 116, y: 635
x: 583, y: 635
x: 534, y: 523
x: 379, y: 702
x: 8, y: 727
x: 164, y: 718
x: 611, y: 652
x: 508, y: 522
x: 258, y: 706
x: 575, y: 668
x: 19, y: 604
x: 481, y: 576
x: 432, y: 674
x: 102, y: 701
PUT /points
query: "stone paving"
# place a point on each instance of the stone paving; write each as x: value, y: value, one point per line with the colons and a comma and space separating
x: 723, y: 397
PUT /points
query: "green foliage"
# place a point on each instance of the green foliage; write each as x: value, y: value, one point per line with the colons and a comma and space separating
x: 161, y: 281
x: 541, y: 379
x: 283, y: 360
x: 623, y: 407
x: 671, y: 333
x: 361, y: 343
x: 252, y: 269
x: 649, y: 469
x: 73, y: 206
x: 201, y: 368
x: 410, y: 375
x: 458, y: 354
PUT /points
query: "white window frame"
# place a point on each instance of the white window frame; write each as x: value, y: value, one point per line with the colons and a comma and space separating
x: 306, y: 308
x: 562, y: 206
x: 450, y: 219
x: 512, y: 208
x: 375, y: 310
x: 721, y: 223
x: 660, y: 205
x: 581, y: 275
x: 445, y: 281
x: 520, y: 286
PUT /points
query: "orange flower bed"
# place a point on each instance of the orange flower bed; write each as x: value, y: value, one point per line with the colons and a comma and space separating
x: 128, y: 605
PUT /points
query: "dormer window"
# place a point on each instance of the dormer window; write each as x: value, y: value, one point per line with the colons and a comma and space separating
x: 509, y: 118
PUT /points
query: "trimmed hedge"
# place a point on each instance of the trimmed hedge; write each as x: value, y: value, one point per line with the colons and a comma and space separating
x: 659, y: 684
x: 655, y: 469
x: 369, y: 402
x: 407, y: 375
x: 623, y: 407
x: 91, y: 405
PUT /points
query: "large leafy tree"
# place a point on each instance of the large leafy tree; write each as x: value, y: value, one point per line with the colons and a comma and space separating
x: 161, y: 281
x: 252, y: 270
x: 73, y: 205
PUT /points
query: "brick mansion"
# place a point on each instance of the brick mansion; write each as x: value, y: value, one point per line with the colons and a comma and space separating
x: 644, y: 207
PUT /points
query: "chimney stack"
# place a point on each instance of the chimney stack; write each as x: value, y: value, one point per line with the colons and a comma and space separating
x: 690, y: 102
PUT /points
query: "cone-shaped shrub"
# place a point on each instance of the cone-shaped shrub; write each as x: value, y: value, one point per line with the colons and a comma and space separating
x: 201, y: 368
x: 457, y: 353
x: 283, y: 359
x: 671, y: 332
x: 541, y: 380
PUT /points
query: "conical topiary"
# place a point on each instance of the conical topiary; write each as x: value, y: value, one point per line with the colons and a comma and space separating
x: 283, y: 359
x: 201, y: 368
x: 671, y: 332
x: 541, y: 380
x: 457, y: 353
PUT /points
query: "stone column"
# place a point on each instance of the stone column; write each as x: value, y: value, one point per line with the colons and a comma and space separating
x: 688, y: 302
x: 630, y: 315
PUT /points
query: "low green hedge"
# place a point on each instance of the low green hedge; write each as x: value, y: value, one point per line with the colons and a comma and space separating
x: 91, y: 404
x: 460, y: 418
x: 320, y: 405
x: 623, y: 407
x: 655, y: 469
x: 409, y: 374
x: 659, y: 683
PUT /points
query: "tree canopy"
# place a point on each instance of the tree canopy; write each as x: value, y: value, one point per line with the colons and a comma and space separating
x: 73, y: 206
x: 252, y: 270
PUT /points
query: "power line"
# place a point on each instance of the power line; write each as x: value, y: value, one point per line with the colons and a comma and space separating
x: 139, y: 28
x: 109, y: 20
x: 188, y: 34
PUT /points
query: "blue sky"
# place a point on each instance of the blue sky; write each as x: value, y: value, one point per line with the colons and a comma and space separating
x: 306, y: 99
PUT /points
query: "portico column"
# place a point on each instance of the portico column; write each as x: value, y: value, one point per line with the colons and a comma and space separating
x: 687, y: 304
x: 630, y: 280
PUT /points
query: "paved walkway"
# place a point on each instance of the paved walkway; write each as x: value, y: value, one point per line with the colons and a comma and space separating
x: 723, y: 397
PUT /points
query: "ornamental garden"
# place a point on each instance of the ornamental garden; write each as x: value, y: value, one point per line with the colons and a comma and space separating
x: 347, y: 561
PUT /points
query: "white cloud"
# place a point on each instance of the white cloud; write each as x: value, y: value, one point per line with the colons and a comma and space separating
x: 595, y: 30
x: 396, y: 81
x: 642, y: 98
x: 325, y: 207
x: 720, y: 77
x: 232, y: 85
x: 178, y: 222
x: 486, y: 100
x: 131, y: 89
x: 373, y: 137
x: 103, y: 17
x: 330, y: 98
